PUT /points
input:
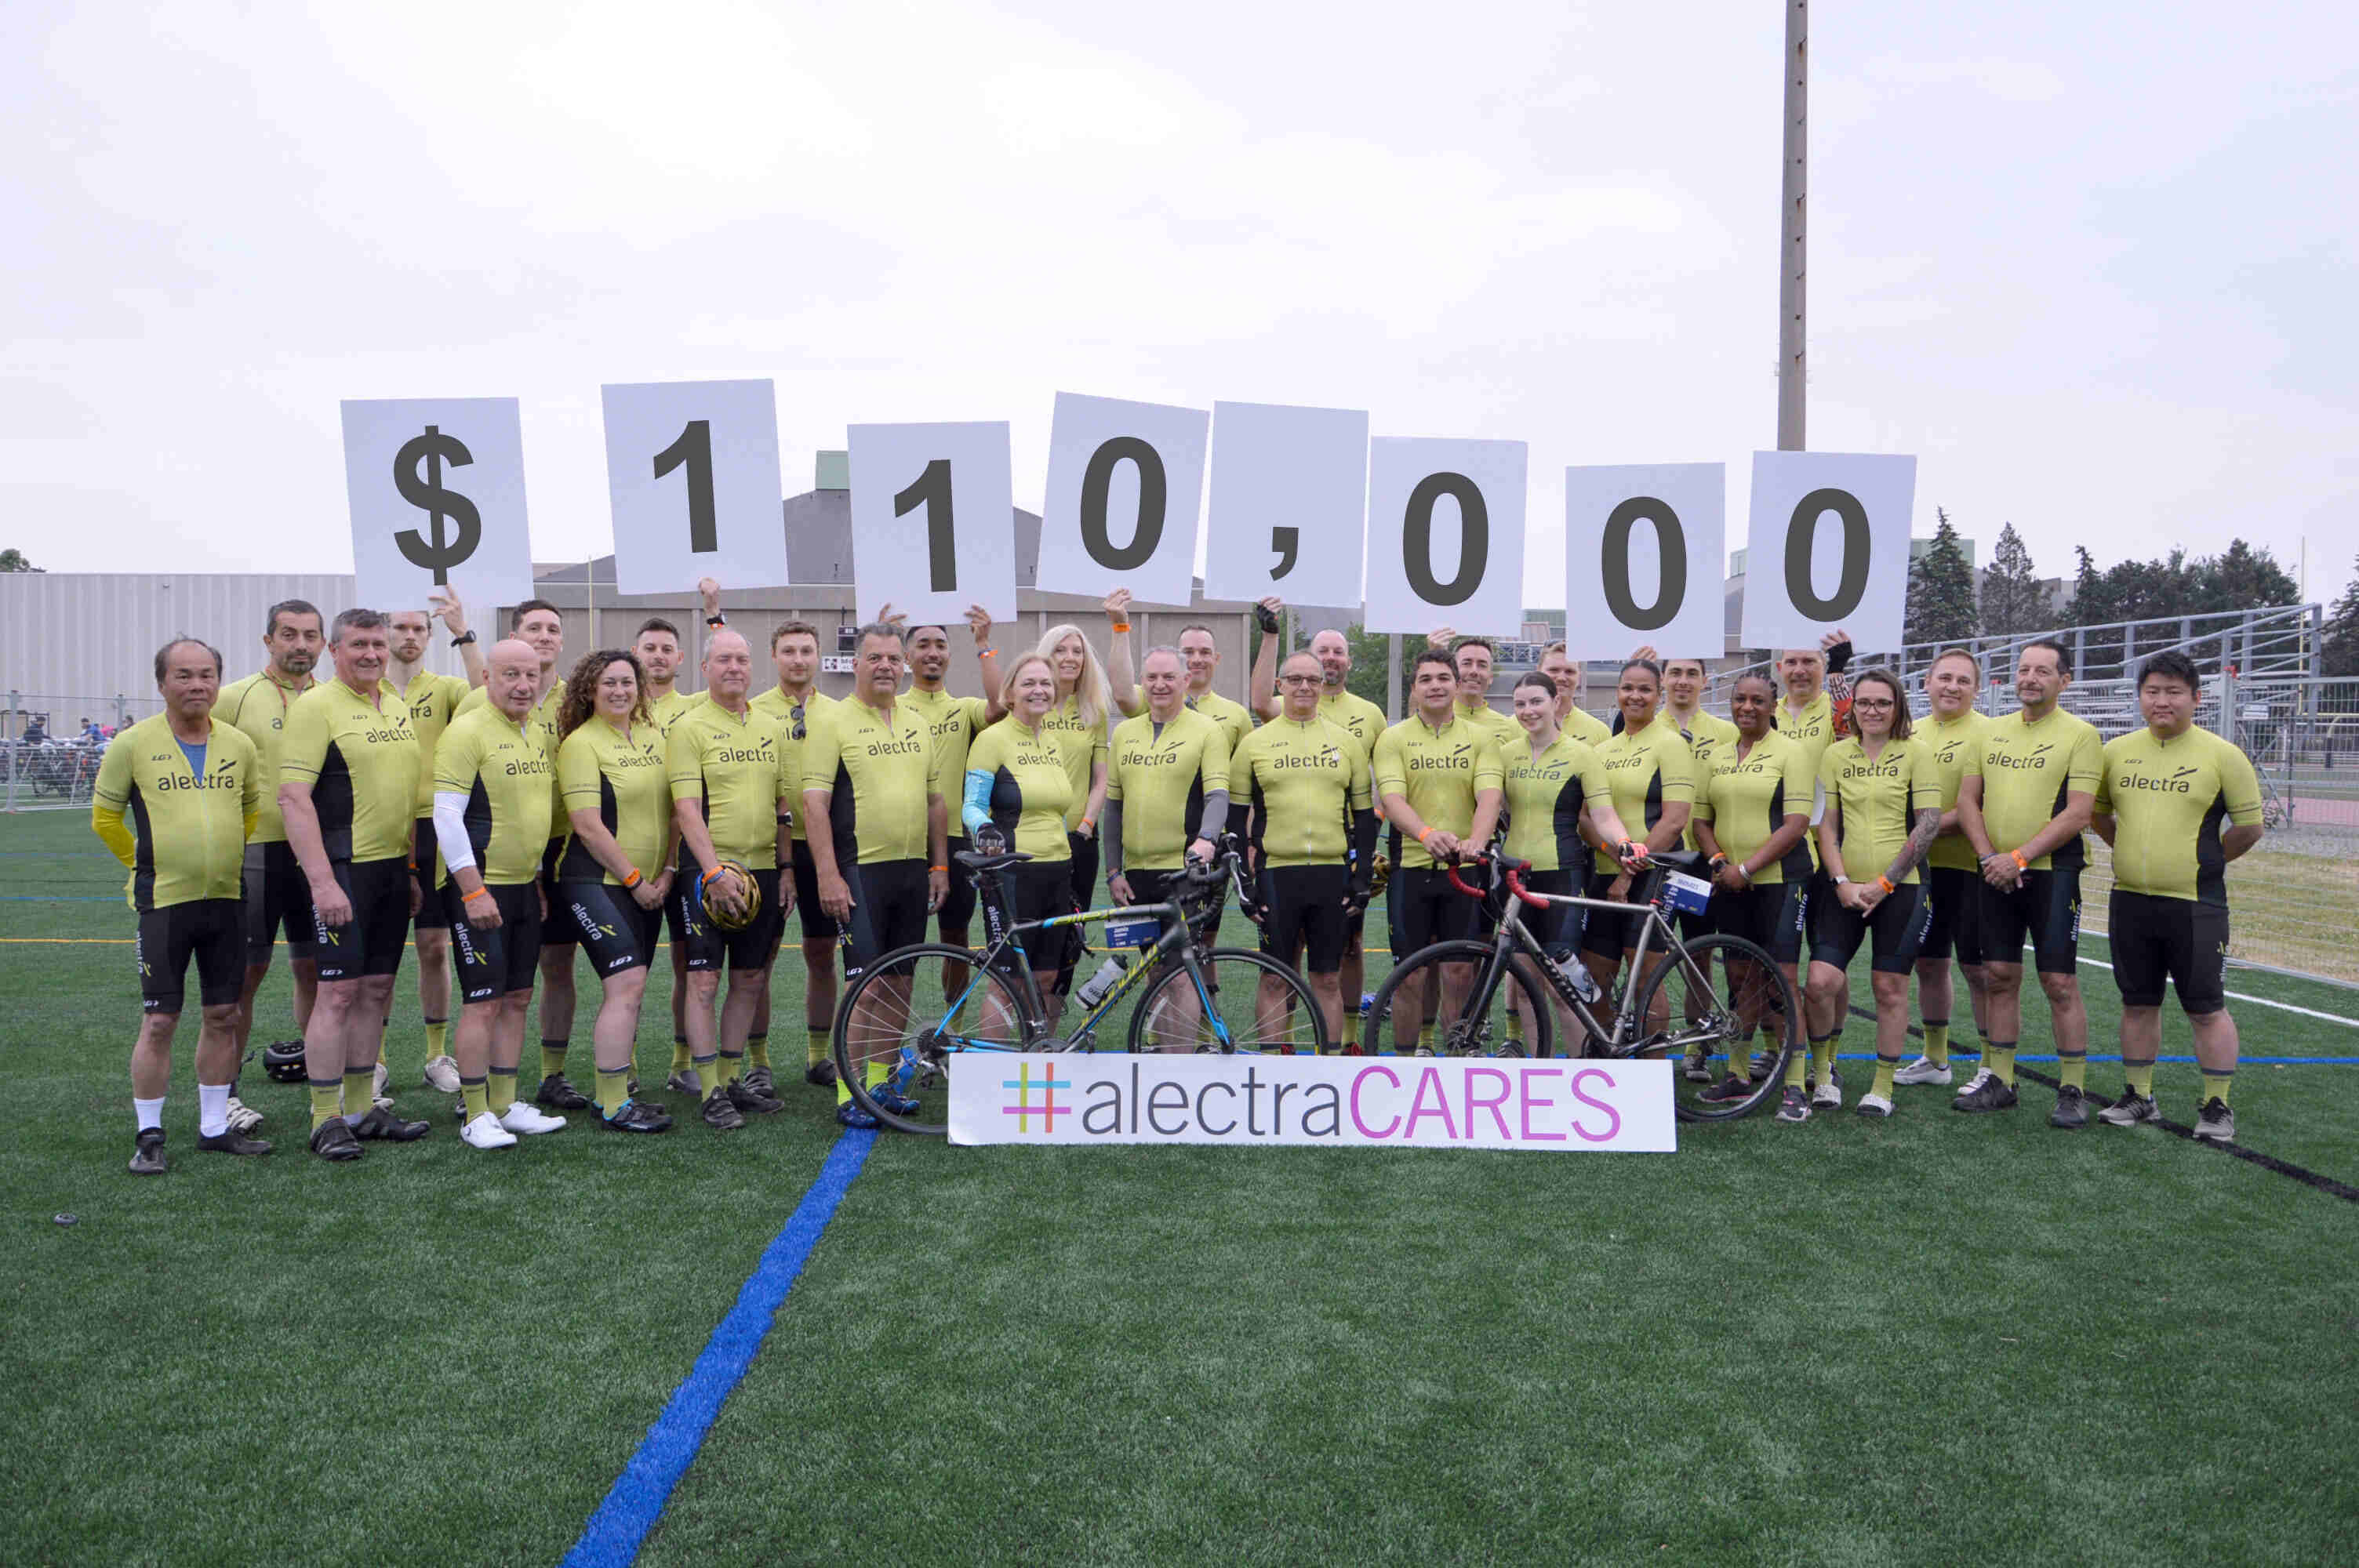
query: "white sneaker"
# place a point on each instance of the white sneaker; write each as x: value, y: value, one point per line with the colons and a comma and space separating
x: 377, y: 1086
x: 1923, y: 1070
x: 1829, y: 1095
x: 1975, y: 1082
x: 524, y: 1117
x: 243, y: 1118
x: 485, y: 1131
x: 1873, y: 1104
x: 442, y: 1075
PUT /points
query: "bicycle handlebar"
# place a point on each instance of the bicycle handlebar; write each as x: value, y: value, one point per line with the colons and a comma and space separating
x: 1512, y: 873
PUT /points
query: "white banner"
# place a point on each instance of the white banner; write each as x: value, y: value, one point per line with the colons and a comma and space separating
x: 693, y: 468
x: 1445, y: 543
x: 1827, y: 545
x: 1288, y: 492
x: 1125, y: 486
x: 933, y: 521
x: 436, y: 491
x: 1397, y: 1102
x: 1643, y: 553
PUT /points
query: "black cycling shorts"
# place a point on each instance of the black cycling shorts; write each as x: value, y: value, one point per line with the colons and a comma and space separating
x: 429, y: 915
x: 613, y: 930
x: 1557, y: 927
x: 1303, y: 917
x: 889, y: 910
x: 1957, y: 928
x: 1029, y: 890
x: 1611, y: 936
x: 1894, y: 928
x: 1083, y: 872
x: 2178, y: 939
x: 210, y: 930
x: 2043, y: 906
x: 817, y: 924
x: 372, y: 941
x: 492, y: 963
x: 277, y: 894
x: 1772, y: 917
x: 1421, y: 908
x: 957, y: 911
x: 559, y: 930
x: 751, y: 946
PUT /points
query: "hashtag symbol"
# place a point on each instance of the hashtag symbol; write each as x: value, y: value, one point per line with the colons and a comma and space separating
x: 1047, y: 1110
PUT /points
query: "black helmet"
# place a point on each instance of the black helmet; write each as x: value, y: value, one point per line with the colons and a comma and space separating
x: 284, y: 1061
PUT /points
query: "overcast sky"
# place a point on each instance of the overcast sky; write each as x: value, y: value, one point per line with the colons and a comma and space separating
x: 2092, y: 263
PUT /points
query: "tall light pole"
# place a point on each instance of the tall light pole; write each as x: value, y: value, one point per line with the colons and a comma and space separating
x: 1793, y: 241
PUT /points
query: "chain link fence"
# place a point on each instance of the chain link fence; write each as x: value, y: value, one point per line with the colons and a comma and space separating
x: 51, y: 745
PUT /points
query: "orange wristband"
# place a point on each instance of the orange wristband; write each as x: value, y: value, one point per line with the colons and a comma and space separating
x: 481, y: 892
x: 938, y: 867
x: 1885, y: 883
x: 1424, y: 833
x: 633, y: 879
x: 1122, y: 626
x: 2020, y: 863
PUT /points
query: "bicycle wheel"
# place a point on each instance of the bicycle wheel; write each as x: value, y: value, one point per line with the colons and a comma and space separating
x: 1695, y: 1016
x: 1258, y: 1007
x: 1496, y: 1030
x: 905, y: 1022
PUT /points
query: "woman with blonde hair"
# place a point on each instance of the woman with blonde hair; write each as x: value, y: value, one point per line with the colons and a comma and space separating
x: 1077, y: 726
x: 1016, y: 784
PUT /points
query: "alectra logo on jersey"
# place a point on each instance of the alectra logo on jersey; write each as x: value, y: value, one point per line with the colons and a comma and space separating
x: 1384, y: 1102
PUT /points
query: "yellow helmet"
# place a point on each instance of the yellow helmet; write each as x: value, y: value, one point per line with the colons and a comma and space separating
x: 752, y: 892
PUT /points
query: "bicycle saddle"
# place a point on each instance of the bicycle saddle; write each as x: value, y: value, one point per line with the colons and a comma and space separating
x: 1691, y: 861
x: 981, y: 864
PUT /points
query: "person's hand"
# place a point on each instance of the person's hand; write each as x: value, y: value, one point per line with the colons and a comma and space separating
x: 2000, y: 870
x: 663, y: 882
x: 646, y: 894
x: 1267, y: 612
x: 544, y: 900
x: 1632, y: 855
x: 1356, y: 900
x: 484, y: 914
x: 1646, y: 650
x: 1444, y: 845
x: 1440, y: 637
x: 834, y: 896
x: 1086, y: 828
x: 1870, y: 895
x: 1730, y: 878
x: 1847, y: 895
x: 417, y: 898
x: 449, y: 610
x: 1119, y: 885
x: 786, y: 891
x: 1618, y: 890
x: 978, y: 620
x: 723, y: 896
x: 938, y: 887
x: 332, y: 903
x: 709, y: 592
x: 1201, y: 850
x: 1117, y: 605
x: 1836, y: 646
x: 1828, y: 644
x: 889, y: 616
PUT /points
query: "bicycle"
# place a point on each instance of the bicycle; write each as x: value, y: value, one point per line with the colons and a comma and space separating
x: 1642, y: 1023
x: 913, y: 1014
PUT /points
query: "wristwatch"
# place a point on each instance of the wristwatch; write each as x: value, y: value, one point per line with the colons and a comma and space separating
x: 462, y: 639
x: 716, y: 620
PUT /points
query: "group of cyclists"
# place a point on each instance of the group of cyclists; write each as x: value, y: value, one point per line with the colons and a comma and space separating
x: 530, y: 811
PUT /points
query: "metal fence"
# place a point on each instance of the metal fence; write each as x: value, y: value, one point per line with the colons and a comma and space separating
x: 49, y: 754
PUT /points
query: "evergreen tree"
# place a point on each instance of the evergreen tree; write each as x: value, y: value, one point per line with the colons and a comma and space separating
x: 2340, y: 654
x: 1941, y: 591
x: 2013, y: 600
x: 13, y: 560
x: 2242, y: 577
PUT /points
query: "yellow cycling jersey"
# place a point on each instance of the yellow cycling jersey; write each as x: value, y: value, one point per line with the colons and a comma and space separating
x: 622, y: 777
x: 1875, y: 800
x: 544, y: 725
x: 1585, y: 726
x: 1547, y: 795
x: 1161, y: 775
x: 1235, y: 719
x: 2027, y: 771
x: 1304, y: 778
x: 504, y: 772
x: 1502, y: 728
x: 1356, y: 715
x: 1017, y: 778
x: 1439, y: 772
x: 433, y: 702
x: 188, y: 817
x: 1081, y: 747
x: 258, y: 705
x: 360, y: 756
x: 666, y: 709
x: 954, y: 722
x: 730, y: 762
x: 1705, y: 734
x: 793, y: 721
x: 1748, y: 797
x: 1812, y: 725
x: 2167, y: 799
x: 1949, y: 744
x: 1647, y: 770
x: 880, y: 771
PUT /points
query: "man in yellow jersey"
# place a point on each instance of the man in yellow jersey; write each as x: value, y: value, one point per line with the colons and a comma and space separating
x: 878, y: 828
x: 191, y: 789
x: 660, y: 651
x: 276, y: 894
x: 1706, y: 734
x: 731, y: 799
x: 1314, y: 834
x: 1570, y: 676
x: 2176, y: 803
x: 492, y: 802
x: 953, y: 722
x: 2029, y: 790
x: 1203, y: 653
x: 792, y: 706
x: 1439, y: 779
x: 1814, y: 713
x: 1166, y: 786
x: 433, y: 702
x: 348, y: 792
x: 1474, y: 659
x: 1950, y: 732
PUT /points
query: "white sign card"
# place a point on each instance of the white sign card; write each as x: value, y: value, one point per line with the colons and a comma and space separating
x: 1445, y: 545
x: 436, y: 486
x: 1288, y: 489
x: 1643, y: 547
x: 693, y: 468
x: 1125, y: 486
x: 933, y: 520
x: 1827, y: 545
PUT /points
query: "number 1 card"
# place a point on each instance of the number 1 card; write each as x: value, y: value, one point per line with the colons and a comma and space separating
x: 692, y: 467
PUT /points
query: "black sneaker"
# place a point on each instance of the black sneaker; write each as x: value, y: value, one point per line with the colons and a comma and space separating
x: 2132, y: 1109
x: 558, y: 1095
x: 1729, y: 1090
x: 381, y: 1125
x: 1793, y: 1105
x: 235, y: 1142
x: 1987, y: 1092
x: 758, y: 1079
x: 148, y: 1153
x: 636, y: 1117
x: 2071, y: 1111
x: 745, y: 1096
x: 2215, y: 1123
x: 333, y: 1140
x: 720, y: 1115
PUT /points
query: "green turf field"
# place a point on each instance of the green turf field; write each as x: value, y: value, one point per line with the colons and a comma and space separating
x: 1931, y: 1340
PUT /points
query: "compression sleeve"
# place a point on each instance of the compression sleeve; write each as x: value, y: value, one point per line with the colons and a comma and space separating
x: 1110, y: 833
x: 975, y: 811
x: 1363, y: 849
x: 1216, y: 815
x: 450, y: 830
x: 107, y: 823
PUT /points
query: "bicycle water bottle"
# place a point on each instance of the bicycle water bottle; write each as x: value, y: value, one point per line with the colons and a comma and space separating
x: 1576, y: 975
x: 1093, y: 990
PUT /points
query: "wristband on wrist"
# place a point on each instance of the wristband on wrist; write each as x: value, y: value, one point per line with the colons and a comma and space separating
x: 1885, y: 883
x: 462, y: 639
x: 481, y: 892
x: 938, y: 867
x: 716, y: 619
x: 1122, y: 626
x: 631, y: 879
x: 1423, y: 834
x: 1718, y: 861
x: 2020, y: 863
x: 706, y: 879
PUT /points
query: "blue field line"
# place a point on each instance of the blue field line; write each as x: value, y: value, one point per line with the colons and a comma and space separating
x: 636, y: 1500
x: 1958, y: 1053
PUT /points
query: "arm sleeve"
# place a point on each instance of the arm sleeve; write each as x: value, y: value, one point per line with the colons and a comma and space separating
x: 106, y: 821
x: 450, y: 830
x: 974, y: 811
x: 1361, y: 795
x: 1216, y: 813
x: 1110, y: 831
x: 1364, y: 847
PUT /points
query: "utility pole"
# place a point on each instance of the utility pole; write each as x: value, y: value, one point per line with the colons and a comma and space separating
x: 1793, y: 241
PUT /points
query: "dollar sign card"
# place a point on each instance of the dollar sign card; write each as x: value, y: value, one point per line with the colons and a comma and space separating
x: 436, y: 491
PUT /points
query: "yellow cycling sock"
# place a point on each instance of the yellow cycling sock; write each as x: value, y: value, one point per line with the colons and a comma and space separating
x: 1798, y: 1067
x: 502, y: 1089
x: 327, y: 1101
x: 1425, y: 1038
x: 2000, y: 1059
x: 2072, y: 1068
x: 1937, y: 1042
x: 2215, y: 1085
x: 680, y: 1059
x: 1885, y: 1066
x: 477, y: 1096
x: 1352, y: 1026
x: 1515, y: 1025
x: 438, y: 1038
x: 2139, y: 1075
x: 757, y: 1047
x: 614, y: 1091
x: 553, y: 1058
x: 818, y: 1045
x: 708, y: 1073
x: 1823, y: 1057
x: 732, y: 1067
x: 360, y: 1092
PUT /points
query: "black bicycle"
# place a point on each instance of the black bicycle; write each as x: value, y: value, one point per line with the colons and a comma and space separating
x: 1509, y: 997
x: 903, y: 1026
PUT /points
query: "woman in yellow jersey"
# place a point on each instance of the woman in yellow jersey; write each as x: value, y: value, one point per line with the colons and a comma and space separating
x: 1078, y: 725
x: 1883, y: 809
x: 1751, y: 819
x: 1016, y: 784
x: 1650, y: 773
x: 615, y: 871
